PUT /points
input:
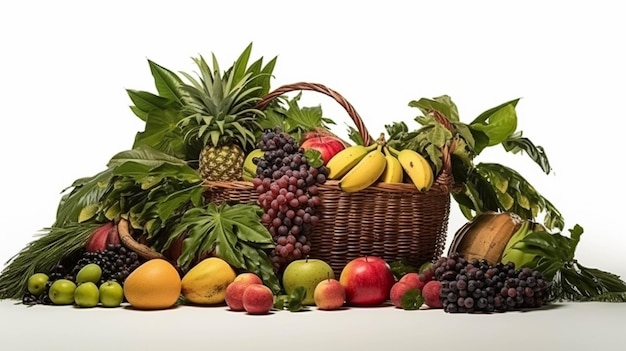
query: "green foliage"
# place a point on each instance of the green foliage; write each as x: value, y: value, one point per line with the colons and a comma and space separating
x: 570, y: 280
x: 41, y: 255
x: 216, y: 107
x: 485, y: 186
x: 412, y: 299
x: 495, y: 187
x: 231, y: 232
x: 293, y: 301
x: 292, y: 118
x: 219, y: 107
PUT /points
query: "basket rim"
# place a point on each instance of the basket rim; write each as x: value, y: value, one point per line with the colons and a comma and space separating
x: 436, y: 188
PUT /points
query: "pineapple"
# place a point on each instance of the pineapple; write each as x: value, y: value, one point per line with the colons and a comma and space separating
x: 220, y: 117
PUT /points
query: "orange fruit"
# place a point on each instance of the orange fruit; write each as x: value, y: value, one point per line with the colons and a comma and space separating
x: 155, y: 285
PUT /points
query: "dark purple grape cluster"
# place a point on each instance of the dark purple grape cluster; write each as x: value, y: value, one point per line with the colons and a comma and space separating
x: 116, y: 262
x: 475, y: 286
x: 289, y: 195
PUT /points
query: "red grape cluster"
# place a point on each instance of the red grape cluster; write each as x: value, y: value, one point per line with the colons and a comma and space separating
x: 288, y: 193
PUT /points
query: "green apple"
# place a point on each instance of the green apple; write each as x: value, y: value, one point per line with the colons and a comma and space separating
x: 86, y: 295
x: 89, y: 273
x: 37, y: 283
x: 111, y: 294
x: 306, y: 273
x: 62, y: 292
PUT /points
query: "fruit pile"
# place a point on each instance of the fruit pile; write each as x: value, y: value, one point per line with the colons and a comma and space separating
x: 147, y: 228
x: 87, y: 289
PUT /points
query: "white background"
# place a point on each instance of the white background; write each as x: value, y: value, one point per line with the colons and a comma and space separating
x: 65, y: 65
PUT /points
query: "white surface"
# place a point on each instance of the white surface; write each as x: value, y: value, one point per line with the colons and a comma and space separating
x: 577, y: 326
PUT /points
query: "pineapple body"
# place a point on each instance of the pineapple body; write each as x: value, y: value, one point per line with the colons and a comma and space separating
x: 224, y: 163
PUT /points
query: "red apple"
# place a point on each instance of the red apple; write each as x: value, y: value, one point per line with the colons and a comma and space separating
x: 329, y: 294
x: 328, y: 146
x: 368, y: 281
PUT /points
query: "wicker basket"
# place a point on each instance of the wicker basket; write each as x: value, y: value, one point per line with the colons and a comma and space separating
x: 392, y: 221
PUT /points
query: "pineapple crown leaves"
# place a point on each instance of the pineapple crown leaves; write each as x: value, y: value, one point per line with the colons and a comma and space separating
x: 219, y: 106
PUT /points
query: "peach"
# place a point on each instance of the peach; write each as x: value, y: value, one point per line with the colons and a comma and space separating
x: 431, y: 292
x: 249, y: 278
x: 329, y: 294
x: 413, y: 279
x: 397, y: 292
x: 258, y: 299
x: 234, y: 295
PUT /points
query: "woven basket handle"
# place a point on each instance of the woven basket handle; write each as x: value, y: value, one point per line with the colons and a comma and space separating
x: 445, y: 177
x: 358, y: 122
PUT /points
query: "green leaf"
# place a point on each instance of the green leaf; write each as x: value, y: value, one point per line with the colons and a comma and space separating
x: 162, y: 133
x: 167, y: 82
x: 412, y: 299
x: 400, y: 268
x: 438, y: 104
x: 313, y: 158
x: 296, y: 299
x: 220, y: 228
x: 84, y: 192
x: 516, y: 144
x: 497, y: 126
x: 258, y: 261
x: 542, y: 244
x: 575, y: 234
x: 146, y: 102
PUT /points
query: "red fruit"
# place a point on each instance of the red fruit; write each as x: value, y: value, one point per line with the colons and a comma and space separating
x: 367, y: 280
x: 413, y: 279
x: 328, y: 146
x: 397, y: 292
x: 427, y: 275
x: 113, y: 238
x: 431, y: 292
x: 258, y: 299
x: 234, y: 295
x: 98, y: 239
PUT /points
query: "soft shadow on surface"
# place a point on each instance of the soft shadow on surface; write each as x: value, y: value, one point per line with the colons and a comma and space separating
x: 131, y: 308
x: 547, y: 307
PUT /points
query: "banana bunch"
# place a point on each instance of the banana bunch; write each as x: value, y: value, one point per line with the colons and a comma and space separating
x: 516, y: 254
x: 416, y: 167
x: 358, y: 167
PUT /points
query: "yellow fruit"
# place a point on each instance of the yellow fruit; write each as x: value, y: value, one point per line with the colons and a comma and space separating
x: 206, y: 282
x: 154, y: 285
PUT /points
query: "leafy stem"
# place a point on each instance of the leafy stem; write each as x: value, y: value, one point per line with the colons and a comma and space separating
x: 570, y: 280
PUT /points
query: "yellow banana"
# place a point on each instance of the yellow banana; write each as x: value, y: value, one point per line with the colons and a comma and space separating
x: 393, y: 172
x: 347, y: 158
x: 417, y: 168
x: 248, y: 165
x: 365, y: 173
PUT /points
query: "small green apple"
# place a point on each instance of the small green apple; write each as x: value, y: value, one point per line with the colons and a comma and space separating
x: 62, y: 292
x: 37, y: 283
x: 89, y: 273
x: 86, y: 295
x: 306, y: 273
x: 111, y: 294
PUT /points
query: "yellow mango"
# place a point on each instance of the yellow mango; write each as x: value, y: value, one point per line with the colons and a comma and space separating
x: 206, y: 282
